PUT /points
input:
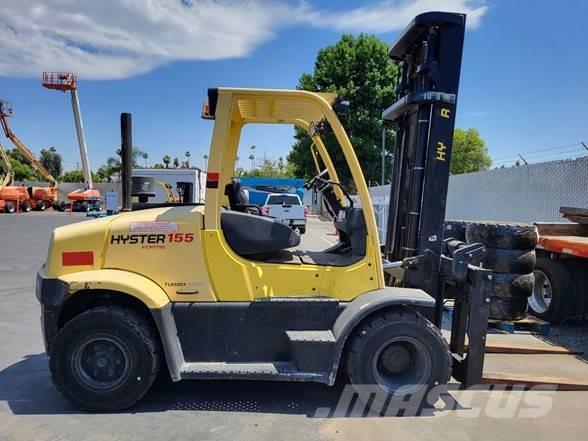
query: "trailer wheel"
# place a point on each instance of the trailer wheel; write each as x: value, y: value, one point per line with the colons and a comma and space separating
x: 9, y: 207
x: 40, y: 206
x: 508, y: 236
x: 398, y: 355
x: 554, y: 291
x: 61, y: 206
x: 105, y: 359
x: 84, y: 207
x: 579, y: 269
x: 26, y: 206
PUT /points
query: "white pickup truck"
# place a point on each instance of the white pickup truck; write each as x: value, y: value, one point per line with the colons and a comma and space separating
x: 287, y: 208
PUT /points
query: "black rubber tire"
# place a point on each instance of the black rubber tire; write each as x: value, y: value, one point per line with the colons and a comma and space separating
x: 512, y: 285
x: 61, y: 206
x: 85, y: 207
x: 563, y: 291
x: 505, y: 261
x: 579, y: 270
x: 455, y: 229
x: 498, y: 235
x: 373, y: 332
x: 40, y: 205
x: 302, y: 230
x: 505, y: 308
x: 26, y: 207
x: 9, y: 207
x: 141, y: 347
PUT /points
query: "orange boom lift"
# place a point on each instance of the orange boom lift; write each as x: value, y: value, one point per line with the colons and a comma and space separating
x: 39, y: 198
x: 11, y: 198
x: 82, y: 199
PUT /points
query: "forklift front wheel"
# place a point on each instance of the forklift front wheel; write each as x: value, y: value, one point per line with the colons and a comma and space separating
x: 399, y: 361
x: 105, y: 359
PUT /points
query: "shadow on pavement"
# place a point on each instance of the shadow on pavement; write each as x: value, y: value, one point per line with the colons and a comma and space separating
x: 27, y: 388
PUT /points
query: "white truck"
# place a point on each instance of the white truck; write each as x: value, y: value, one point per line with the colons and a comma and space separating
x: 287, y: 208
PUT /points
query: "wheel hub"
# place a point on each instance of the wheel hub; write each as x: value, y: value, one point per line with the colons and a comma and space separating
x: 542, y: 294
x: 101, y: 363
x: 401, y: 365
x: 395, y: 358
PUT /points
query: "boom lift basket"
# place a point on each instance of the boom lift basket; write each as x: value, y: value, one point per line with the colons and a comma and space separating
x: 429, y: 52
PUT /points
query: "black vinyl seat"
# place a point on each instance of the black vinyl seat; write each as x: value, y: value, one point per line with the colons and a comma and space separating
x: 252, y: 235
x: 238, y: 200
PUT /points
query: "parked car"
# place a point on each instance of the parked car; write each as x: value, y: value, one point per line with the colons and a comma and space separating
x: 288, y: 209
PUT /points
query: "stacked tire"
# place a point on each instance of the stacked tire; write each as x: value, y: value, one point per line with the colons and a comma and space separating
x: 510, y: 253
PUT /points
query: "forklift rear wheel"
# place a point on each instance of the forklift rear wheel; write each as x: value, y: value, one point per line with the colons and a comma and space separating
x: 40, y: 206
x: 105, y: 359
x: 26, y: 207
x: 9, y: 207
x: 398, y: 354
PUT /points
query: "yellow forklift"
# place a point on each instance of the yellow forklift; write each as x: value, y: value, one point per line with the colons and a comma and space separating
x: 218, y: 291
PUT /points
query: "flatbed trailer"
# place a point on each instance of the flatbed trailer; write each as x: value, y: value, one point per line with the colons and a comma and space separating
x: 561, y: 274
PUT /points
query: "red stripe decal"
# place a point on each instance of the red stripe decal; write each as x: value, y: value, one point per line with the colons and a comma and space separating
x: 77, y: 258
x: 212, y: 180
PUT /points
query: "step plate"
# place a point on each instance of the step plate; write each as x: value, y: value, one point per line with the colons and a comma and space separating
x: 285, y: 371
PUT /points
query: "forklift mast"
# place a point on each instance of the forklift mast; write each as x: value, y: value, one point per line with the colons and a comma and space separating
x: 429, y: 52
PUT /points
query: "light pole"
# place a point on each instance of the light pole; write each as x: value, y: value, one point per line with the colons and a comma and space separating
x: 252, y: 156
x: 205, y: 157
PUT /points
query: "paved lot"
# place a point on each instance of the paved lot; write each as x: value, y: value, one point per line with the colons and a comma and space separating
x: 31, y: 408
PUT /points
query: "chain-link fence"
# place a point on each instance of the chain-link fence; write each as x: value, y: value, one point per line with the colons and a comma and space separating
x: 529, y: 193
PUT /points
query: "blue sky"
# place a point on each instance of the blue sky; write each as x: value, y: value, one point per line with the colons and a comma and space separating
x: 522, y: 85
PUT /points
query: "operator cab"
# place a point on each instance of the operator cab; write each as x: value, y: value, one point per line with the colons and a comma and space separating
x: 252, y: 235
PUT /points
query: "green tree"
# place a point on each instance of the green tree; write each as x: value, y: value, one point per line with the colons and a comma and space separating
x: 359, y: 70
x: 78, y: 176
x: 469, y: 153
x: 22, y: 171
x: 269, y: 168
x: 166, y: 160
x: 51, y: 160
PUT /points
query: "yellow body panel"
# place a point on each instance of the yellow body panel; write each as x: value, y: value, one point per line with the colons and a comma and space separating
x: 180, y: 254
x: 235, y: 278
x: 122, y: 281
x: 176, y: 265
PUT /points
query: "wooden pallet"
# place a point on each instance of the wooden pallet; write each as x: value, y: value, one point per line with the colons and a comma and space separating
x: 530, y: 324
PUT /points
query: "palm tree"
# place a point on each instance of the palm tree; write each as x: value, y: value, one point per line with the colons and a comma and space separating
x: 176, y: 162
x: 145, y: 156
x: 166, y: 160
